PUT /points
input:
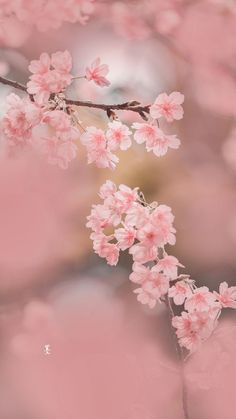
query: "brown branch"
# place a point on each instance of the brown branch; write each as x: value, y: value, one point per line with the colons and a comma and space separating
x: 14, y: 84
x: 132, y: 106
x: 180, y: 353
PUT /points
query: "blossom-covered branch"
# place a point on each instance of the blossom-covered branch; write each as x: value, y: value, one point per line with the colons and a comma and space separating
x: 47, y: 121
x: 133, y: 106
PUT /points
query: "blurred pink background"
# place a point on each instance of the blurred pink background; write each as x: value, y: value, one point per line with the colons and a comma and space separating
x: 111, y: 358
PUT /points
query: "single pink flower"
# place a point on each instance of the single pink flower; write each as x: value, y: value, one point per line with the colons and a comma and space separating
x: 126, y: 196
x: 144, y: 132
x: 97, y: 73
x: 168, y: 107
x: 40, y: 66
x: 99, y: 218
x: 140, y: 273
x: 201, y: 300
x: 179, y: 292
x: 106, y: 250
x: 147, y: 294
x: 125, y: 237
x: 143, y: 254
x: 62, y: 62
x: 149, y: 235
x: 169, y: 266
x: 107, y: 189
x: 118, y: 136
x: 226, y: 295
x: 94, y: 138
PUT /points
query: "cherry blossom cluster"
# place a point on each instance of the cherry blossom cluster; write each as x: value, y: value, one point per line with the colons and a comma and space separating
x: 124, y: 221
x: 42, y: 120
x: 102, y: 144
x: 49, y: 123
x: 202, y: 309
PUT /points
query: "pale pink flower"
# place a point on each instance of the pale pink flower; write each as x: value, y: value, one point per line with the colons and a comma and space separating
x: 22, y: 115
x: 103, y: 158
x: 143, y: 254
x: 94, y: 138
x: 50, y: 75
x: 127, y: 196
x: 187, y: 332
x: 162, y: 142
x: 125, y: 237
x: 41, y: 66
x: 62, y: 62
x: 168, y: 106
x: 201, y: 300
x: 162, y: 215
x: 149, y: 235
x: 144, y: 132
x: 106, y: 250
x: 97, y: 72
x: 151, y: 290
x: 179, y: 292
x: 118, y: 136
x: 147, y: 294
x: 226, y: 295
x: 58, y: 120
x: 140, y: 273
x: 169, y: 266
x: 107, y: 189
x: 137, y: 215
x: 99, y: 218
x: 160, y: 281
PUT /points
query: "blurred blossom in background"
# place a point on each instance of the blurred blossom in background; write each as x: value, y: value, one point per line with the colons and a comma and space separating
x: 110, y: 357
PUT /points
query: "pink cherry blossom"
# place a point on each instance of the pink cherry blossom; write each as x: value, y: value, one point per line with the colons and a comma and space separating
x: 169, y: 266
x: 155, y: 139
x: 142, y: 253
x: 104, y: 249
x: 140, y: 273
x: 146, y: 295
x: 226, y: 295
x: 22, y: 115
x: 93, y: 138
x: 107, y: 189
x: 99, y: 218
x: 127, y: 196
x: 137, y: 215
x: 201, y: 300
x: 162, y: 142
x: 144, y: 132
x: 125, y: 237
x: 41, y: 66
x: 149, y: 235
x: 168, y: 106
x: 152, y: 291
x: 97, y: 72
x: 179, y: 292
x: 103, y: 158
x: 160, y: 281
x: 187, y: 332
x: 118, y: 136
x: 46, y: 78
x: 62, y: 62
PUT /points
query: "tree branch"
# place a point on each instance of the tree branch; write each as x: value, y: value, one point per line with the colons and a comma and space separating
x: 180, y: 353
x: 132, y: 106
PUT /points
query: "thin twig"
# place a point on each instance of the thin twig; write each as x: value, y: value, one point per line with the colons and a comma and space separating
x: 132, y: 106
x: 181, y: 357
